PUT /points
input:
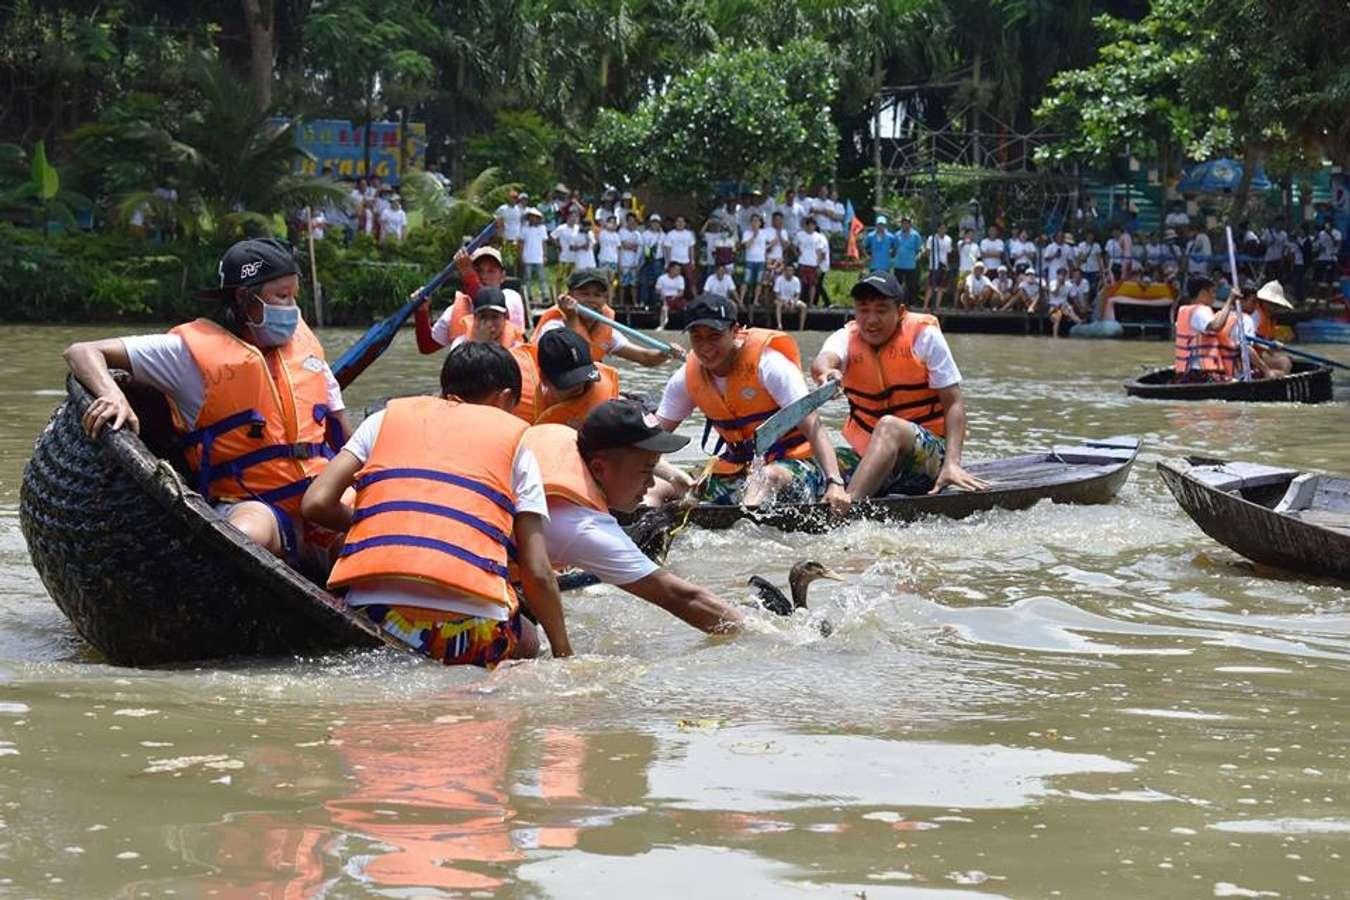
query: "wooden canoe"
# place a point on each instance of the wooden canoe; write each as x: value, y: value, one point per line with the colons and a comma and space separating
x: 1307, y: 383
x: 1087, y: 473
x: 1299, y: 521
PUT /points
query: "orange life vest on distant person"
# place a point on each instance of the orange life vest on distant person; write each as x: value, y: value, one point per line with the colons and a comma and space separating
x: 264, y: 430
x: 527, y: 358
x: 561, y: 467
x: 746, y: 403
x: 599, y: 336
x: 889, y: 381
x: 1202, y: 351
x: 435, y: 502
x: 510, y: 336
x: 461, y: 309
x: 573, y: 412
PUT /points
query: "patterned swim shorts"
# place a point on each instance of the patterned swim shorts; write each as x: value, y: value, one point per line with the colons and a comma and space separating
x: 807, y: 485
x: 447, y: 637
x: 914, y: 473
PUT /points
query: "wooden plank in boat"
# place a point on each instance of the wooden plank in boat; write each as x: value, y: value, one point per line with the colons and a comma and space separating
x: 1080, y: 454
x: 1234, y: 475
x: 1300, y: 494
x: 1322, y: 518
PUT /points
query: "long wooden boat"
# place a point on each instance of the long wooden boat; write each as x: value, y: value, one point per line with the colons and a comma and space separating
x: 1087, y: 473
x: 1307, y: 383
x: 145, y: 569
x: 1285, y: 518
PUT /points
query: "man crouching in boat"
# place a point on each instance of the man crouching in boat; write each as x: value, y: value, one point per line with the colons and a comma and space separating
x: 446, y: 497
x: 907, y: 417
x: 257, y: 408
x: 610, y: 464
x: 739, y: 377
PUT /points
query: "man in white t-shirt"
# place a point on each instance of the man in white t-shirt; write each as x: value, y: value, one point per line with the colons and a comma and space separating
x: 992, y: 251
x: 670, y: 288
x: 812, y: 247
x: 453, y: 627
x: 508, y: 217
x: 978, y: 290
x: 721, y: 282
x: 967, y: 253
x: 787, y: 294
x: 617, y: 451
x: 393, y: 221
x: 533, y: 237
x: 679, y: 244
x: 912, y: 440
x: 608, y: 240
x: 938, y: 249
x: 630, y: 259
x: 567, y: 236
x: 718, y: 374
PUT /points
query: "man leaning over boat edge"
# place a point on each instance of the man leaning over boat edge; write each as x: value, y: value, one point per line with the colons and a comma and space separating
x: 907, y: 416
x: 253, y: 399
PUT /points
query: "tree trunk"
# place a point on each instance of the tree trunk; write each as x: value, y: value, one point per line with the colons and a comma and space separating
x: 365, y: 137
x: 1251, y: 157
x: 260, y: 17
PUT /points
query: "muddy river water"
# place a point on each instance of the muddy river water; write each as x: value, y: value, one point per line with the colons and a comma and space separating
x: 1067, y: 701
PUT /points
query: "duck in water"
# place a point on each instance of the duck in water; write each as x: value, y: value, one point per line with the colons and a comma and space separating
x: 799, y: 582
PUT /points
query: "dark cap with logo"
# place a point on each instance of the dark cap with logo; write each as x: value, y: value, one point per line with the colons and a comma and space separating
x: 712, y: 310
x: 588, y: 276
x: 883, y: 284
x: 565, y: 359
x: 251, y: 262
x: 489, y: 298
x: 624, y: 423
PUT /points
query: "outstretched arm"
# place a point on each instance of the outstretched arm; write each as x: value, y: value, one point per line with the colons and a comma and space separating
x: 90, y: 361
x: 541, y: 587
x: 686, y: 601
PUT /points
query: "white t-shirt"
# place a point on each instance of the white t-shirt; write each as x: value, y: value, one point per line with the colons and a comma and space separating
x: 527, y: 485
x: 393, y: 223
x: 1057, y: 292
x: 930, y: 347
x: 1090, y: 256
x: 532, y: 238
x: 968, y: 252
x: 940, y: 246
x: 515, y: 311
x: 978, y: 284
x: 783, y: 380
x: 510, y: 214
x: 1115, y: 251
x: 755, y: 244
x: 616, y: 341
x: 1198, y: 252
x: 609, y: 248
x: 669, y: 287
x: 709, y: 243
x: 679, y: 245
x: 1056, y: 255
x: 583, y: 248
x: 1274, y: 239
x: 163, y: 362
x: 991, y: 251
x: 1021, y: 251
x: 594, y: 541
x: 1326, y: 246
x: 724, y: 286
x: 566, y: 235
x: 629, y: 256
x: 775, y: 239
x: 787, y: 289
x: 651, y: 239
x: 811, y: 246
x: 1079, y: 290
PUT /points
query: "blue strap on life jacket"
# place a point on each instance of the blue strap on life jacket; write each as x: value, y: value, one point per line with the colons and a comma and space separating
x: 743, y: 452
x: 206, y: 436
x: 414, y: 540
x: 436, y: 509
x: 468, y: 484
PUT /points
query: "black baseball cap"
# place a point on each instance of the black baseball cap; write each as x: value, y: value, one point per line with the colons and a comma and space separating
x: 883, y: 283
x: 588, y: 276
x: 565, y: 359
x: 489, y: 298
x: 624, y: 423
x: 251, y: 262
x: 712, y: 310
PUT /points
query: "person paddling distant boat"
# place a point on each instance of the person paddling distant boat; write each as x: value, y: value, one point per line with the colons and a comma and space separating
x: 253, y: 399
x: 590, y: 287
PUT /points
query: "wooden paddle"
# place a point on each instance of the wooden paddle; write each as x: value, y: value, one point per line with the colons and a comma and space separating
x: 790, y: 416
x: 374, y: 342
x: 632, y: 333
x: 1312, y: 357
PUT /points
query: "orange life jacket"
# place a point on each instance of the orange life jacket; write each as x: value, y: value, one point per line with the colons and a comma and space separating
x: 264, y: 430
x: 745, y: 405
x: 561, y: 467
x: 1202, y: 351
x: 434, y: 502
x: 527, y: 358
x: 1265, y: 323
x: 573, y: 412
x: 461, y: 309
x: 598, y: 335
x: 889, y: 381
x: 509, y: 338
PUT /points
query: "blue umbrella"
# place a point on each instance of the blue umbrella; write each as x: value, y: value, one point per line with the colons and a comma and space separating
x: 1220, y: 176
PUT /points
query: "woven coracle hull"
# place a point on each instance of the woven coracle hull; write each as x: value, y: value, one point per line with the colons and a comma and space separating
x: 147, y: 572
x: 1308, y: 383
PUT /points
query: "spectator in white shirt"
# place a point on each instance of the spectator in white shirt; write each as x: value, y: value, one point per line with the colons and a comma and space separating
x: 1021, y: 250
x: 755, y: 241
x: 811, y: 250
x: 393, y: 221
x: 992, y: 250
x: 566, y: 236
x: 792, y: 211
x: 533, y: 236
x: 721, y: 282
x: 508, y: 217
x: 938, y: 249
x: 608, y: 242
x: 679, y: 244
x: 670, y: 288
x: 1080, y: 293
x: 776, y: 241
x: 630, y: 259
x: 967, y: 253
x: 977, y: 290
x: 1026, y: 292
x: 1089, y: 257
x: 787, y: 293
x: 1058, y: 300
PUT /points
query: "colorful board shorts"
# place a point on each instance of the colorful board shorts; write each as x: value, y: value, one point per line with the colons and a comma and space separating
x: 447, y: 637
x: 808, y: 484
x: 914, y: 473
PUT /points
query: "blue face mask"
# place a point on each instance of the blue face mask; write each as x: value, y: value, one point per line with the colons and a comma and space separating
x: 277, y: 327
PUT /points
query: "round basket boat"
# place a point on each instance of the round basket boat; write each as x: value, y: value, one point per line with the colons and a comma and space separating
x: 145, y: 569
x: 1307, y: 383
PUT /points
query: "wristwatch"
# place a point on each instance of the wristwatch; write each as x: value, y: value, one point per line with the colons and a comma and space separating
x: 835, y: 479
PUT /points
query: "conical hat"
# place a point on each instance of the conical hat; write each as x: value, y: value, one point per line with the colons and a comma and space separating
x: 1273, y: 292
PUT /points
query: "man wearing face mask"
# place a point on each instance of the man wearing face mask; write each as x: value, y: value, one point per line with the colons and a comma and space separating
x: 253, y: 399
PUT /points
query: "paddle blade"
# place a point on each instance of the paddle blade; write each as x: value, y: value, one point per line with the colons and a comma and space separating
x: 787, y: 418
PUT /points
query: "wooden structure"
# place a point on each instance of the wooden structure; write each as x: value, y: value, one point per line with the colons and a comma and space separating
x: 1307, y: 383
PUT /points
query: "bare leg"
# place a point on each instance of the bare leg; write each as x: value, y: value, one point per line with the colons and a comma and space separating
x: 801, y: 318
x: 665, y: 315
x: 778, y: 314
x: 766, y: 486
x: 528, y: 647
x: 890, y: 439
x: 259, y: 524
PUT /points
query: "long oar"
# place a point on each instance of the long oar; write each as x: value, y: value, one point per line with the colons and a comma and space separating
x: 632, y: 333
x: 374, y: 342
x: 1243, y: 349
x: 1313, y: 357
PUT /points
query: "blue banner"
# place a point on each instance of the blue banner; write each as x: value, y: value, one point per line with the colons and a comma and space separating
x: 340, y: 144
